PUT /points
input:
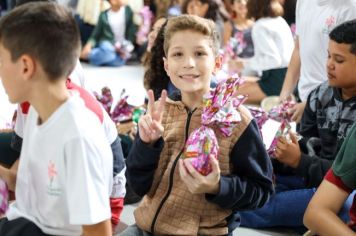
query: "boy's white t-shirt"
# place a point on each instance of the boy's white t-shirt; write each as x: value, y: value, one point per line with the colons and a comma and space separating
x: 77, y: 76
x: 107, y: 124
x: 64, y: 178
x: 117, y: 23
x: 315, y: 19
x: 273, y: 44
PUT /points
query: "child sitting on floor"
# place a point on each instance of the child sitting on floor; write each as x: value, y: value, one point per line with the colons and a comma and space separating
x: 178, y: 200
x: 112, y: 38
x: 329, y: 114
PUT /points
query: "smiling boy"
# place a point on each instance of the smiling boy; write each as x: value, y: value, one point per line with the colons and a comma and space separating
x: 178, y: 200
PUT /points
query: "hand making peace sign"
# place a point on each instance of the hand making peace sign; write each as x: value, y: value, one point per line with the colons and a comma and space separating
x: 150, y: 125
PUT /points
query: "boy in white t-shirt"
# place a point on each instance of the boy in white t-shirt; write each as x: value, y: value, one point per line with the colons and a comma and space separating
x: 64, y: 177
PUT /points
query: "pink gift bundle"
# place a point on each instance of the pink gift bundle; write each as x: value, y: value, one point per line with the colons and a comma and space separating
x: 122, y: 111
x: 105, y: 98
x: 144, y: 30
x: 4, y: 197
x: 278, y: 113
x: 281, y: 113
x: 283, y: 131
x: 201, y: 144
x: 260, y: 116
x: 125, y: 49
x: 219, y: 111
x: 234, y: 46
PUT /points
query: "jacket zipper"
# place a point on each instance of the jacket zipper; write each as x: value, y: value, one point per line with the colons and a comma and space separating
x: 171, y: 175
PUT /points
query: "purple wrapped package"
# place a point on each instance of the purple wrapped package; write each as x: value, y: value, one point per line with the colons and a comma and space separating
x: 201, y: 144
x: 4, y: 197
x: 105, y: 98
x: 281, y: 114
x: 260, y: 116
x: 219, y: 111
x: 122, y: 111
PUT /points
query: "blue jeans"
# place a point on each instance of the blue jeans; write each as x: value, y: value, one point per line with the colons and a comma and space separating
x: 105, y: 55
x: 287, y: 206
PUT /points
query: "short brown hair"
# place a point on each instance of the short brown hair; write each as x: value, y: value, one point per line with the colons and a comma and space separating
x: 194, y: 23
x: 45, y: 31
x: 264, y: 8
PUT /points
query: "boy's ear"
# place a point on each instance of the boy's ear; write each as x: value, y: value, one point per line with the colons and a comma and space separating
x: 28, y: 66
x: 218, y: 64
x: 166, y: 65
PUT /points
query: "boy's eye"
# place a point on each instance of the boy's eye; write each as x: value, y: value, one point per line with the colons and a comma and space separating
x: 199, y: 54
x: 339, y: 60
x: 177, y: 54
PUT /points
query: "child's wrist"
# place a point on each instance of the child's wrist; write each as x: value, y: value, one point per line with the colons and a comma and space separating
x: 214, y: 189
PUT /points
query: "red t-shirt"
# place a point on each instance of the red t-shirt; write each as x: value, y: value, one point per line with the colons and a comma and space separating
x: 332, y: 178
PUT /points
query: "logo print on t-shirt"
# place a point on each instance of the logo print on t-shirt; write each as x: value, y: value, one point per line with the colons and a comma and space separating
x: 52, y: 174
x: 329, y: 24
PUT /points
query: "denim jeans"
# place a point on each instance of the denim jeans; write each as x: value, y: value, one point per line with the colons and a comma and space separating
x: 287, y: 206
x: 105, y: 55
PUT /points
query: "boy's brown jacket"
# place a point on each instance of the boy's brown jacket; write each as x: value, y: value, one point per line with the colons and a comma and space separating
x: 169, y: 208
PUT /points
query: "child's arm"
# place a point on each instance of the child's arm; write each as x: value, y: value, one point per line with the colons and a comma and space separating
x: 94, y: 37
x: 321, y: 214
x: 101, y: 229
x: 119, y: 183
x: 311, y: 168
x: 293, y: 73
x: 142, y: 163
x: 227, y: 32
x: 88, y: 170
x: 308, y: 123
x: 10, y: 175
x: 98, y: 30
x: 250, y: 185
x: 131, y: 27
x: 144, y: 155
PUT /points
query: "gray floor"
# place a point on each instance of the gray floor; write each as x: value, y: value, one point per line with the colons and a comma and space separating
x: 127, y: 218
x: 130, y: 79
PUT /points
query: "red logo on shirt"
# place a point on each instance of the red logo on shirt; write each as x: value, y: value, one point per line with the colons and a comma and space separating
x: 329, y: 24
x: 52, y: 172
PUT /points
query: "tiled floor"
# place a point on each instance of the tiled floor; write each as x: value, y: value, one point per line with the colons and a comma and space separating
x: 130, y: 78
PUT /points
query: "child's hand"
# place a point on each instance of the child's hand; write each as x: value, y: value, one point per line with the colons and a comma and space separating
x: 150, y: 126
x: 297, y: 111
x: 235, y: 65
x: 288, y: 152
x: 196, y: 182
x: 85, y: 51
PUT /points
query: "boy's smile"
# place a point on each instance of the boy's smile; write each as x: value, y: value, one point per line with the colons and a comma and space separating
x: 191, y: 62
x: 189, y: 76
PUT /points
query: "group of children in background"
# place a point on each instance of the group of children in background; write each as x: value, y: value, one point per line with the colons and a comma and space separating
x: 70, y: 176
